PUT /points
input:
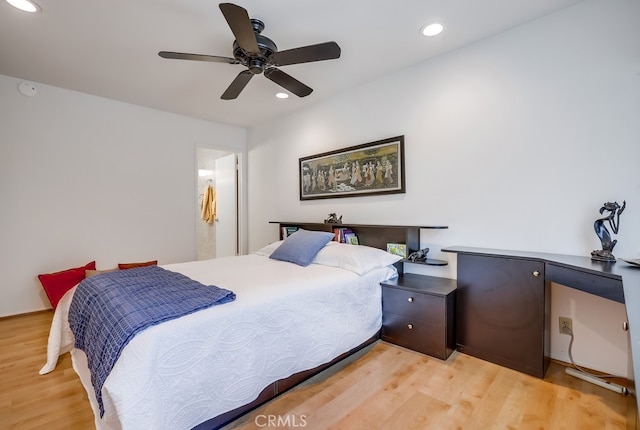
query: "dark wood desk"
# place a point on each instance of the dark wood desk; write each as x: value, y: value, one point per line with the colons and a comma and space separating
x: 594, y: 277
x: 618, y: 281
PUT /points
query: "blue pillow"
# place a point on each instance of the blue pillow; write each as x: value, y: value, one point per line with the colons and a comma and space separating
x: 302, y: 246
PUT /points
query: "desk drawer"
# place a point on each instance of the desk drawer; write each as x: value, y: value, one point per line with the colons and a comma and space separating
x: 602, y: 286
x: 413, y: 305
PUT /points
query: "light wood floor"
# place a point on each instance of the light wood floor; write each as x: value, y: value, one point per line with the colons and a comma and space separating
x: 384, y: 387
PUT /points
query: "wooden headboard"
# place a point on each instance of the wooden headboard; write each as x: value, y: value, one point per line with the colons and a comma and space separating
x: 376, y: 236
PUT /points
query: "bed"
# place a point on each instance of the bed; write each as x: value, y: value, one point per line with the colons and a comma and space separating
x: 205, y: 368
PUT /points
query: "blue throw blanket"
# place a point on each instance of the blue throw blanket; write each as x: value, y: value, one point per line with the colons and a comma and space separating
x: 108, y: 310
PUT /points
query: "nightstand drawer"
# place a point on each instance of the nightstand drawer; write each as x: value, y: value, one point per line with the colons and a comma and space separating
x: 415, y: 334
x: 414, y: 305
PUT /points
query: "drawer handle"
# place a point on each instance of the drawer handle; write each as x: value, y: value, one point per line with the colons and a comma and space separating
x: 625, y: 326
x: 410, y: 299
x: 536, y: 273
x: 410, y: 326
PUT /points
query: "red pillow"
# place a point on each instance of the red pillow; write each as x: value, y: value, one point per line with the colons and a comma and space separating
x: 124, y: 266
x: 58, y: 283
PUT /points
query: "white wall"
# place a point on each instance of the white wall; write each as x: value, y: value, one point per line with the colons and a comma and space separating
x: 515, y: 142
x: 84, y: 178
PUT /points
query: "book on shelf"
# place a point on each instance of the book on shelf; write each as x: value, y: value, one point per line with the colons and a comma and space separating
x: 345, y: 235
x: 349, y: 237
x: 397, y: 249
x: 288, y: 231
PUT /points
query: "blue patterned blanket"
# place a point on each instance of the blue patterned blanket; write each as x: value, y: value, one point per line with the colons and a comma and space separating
x: 108, y: 310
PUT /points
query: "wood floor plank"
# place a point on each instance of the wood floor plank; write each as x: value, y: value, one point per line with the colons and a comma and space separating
x: 421, y: 411
x: 385, y: 402
x: 473, y: 382
x: 29, y: 400
x: 382, y: 387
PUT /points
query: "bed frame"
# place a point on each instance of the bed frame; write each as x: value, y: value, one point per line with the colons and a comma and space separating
x: 376, y: 236
x: 275, y: 389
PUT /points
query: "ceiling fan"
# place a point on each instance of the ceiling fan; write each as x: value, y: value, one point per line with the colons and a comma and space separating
x: 260, y: 55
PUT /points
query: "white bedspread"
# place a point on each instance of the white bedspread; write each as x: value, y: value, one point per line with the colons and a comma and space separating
x: 285, y: 319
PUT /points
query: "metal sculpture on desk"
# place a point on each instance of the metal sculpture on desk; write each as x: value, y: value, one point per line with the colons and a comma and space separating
x: 420, y: 255
x: 333, y: 219
x: 613, y: 218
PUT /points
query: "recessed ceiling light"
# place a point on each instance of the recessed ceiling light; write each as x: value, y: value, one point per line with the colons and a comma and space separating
x: 25, y: 5
x: 432, y: 29
x: 282, y: 95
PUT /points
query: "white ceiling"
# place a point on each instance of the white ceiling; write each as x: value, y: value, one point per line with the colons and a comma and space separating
x: 109, y: 48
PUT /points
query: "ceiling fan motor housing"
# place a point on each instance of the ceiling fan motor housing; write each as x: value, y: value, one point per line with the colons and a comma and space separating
x: 256, y: 63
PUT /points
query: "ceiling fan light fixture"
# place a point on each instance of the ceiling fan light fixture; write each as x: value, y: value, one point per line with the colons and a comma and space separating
x: 25, y: 5
x: 432, y: 29
x: 282, y: 95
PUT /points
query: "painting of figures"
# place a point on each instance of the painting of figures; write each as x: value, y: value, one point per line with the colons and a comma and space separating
x: 369, y: 169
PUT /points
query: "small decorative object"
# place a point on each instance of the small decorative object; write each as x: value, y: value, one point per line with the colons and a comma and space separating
x: 364, y: 170
x: 333, y: 219
x: 397, y: 249
x: 420, y: 255
x: 613, y: 218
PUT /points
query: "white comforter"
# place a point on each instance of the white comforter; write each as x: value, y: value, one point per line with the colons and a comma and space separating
x: 285, y: 319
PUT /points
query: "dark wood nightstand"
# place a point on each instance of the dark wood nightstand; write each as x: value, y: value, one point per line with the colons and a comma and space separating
x: 418, y: 313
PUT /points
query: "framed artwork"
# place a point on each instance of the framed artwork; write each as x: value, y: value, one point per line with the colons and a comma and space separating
x: 364, y: 170
x: 397, y: 249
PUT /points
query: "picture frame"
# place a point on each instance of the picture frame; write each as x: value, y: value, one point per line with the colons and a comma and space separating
x: 399, y: 249
x: 368, y: 169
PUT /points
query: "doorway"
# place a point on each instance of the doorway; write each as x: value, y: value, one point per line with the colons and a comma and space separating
x: 217, y: 214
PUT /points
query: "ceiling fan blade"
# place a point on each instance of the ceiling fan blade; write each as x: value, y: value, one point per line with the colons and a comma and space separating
x: 287, y: 82
x: 238, y: 84
x: 197, y: 57
x: 240, y: 24
x: 306, y: 54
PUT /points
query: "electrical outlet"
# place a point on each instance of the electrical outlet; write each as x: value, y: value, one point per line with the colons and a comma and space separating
x: 565, y: 322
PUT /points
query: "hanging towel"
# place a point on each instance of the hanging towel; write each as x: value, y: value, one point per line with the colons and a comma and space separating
x: 209, y: 205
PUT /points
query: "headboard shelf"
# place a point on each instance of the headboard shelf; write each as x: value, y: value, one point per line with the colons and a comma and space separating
x: 374, y: 235
x: 330, y: 227
x: 429, y: 262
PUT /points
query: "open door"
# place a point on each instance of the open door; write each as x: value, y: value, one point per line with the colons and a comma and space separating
x: 217, y: 236
x: 226, y: 224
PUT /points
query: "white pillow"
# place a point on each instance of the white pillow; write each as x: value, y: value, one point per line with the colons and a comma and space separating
x: 267, y: 250
x: 359, y: 259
